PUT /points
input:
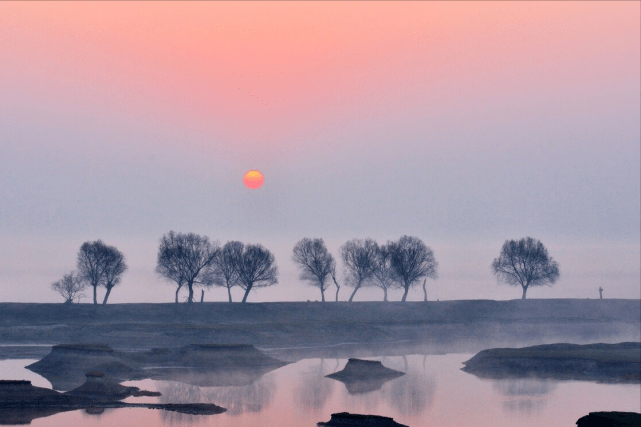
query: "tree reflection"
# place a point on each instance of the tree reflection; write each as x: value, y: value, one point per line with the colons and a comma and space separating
x: 313, y: 390
x: 237, y: 400
x: 411, y: 394
x: 524, y: 396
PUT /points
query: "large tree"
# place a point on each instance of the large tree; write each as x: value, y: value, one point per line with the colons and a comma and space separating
x: 315, y: 262
x: 412, y: 260
x: 256, y: 269
x: 184, y: 258
x: 226, y: 266
x: 525, y: 262
x: 100, y: 265
x: 383, y: 273
x: 69, y: 287
x: 358, y: 259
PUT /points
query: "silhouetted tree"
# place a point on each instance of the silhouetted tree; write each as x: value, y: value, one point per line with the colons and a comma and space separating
x: 100, y: 265
x: 70, y: 287
x: 383, y: 273
x: 333, y: 274
x: 358, y: 258
x: 225, y: 266
x: 256, y: 269
x: 525, y: 262
x: 411, y: 261
x: 183, y: 258
x: 315, y: 263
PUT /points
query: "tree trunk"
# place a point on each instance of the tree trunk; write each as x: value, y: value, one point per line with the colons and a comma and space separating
x: 354, y: 293
x: 338, y: 288
x: 424, y: 291
x: 524, y: 291
x: 229, y: 293
x: 202, y: 295
x: 190, y: 299
x: 384, y: 294
x: 95, y: 298
x: 177, y: 290
x: 104, y: 301
x: 407, y: 289
x: 322, y: 294
x: 249, y: 288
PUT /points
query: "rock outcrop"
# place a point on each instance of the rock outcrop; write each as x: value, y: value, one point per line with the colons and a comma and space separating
x: 363, y: 376
x: 612, y: 363
x: 205, y: 365
x: 345, y: 419
x: 21, y: 402
x: 610, y: 419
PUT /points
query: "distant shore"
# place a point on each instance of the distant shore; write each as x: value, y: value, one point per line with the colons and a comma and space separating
x: 294, y: 330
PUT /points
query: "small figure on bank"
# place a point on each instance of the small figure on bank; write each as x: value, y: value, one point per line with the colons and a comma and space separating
x: 600, y: 292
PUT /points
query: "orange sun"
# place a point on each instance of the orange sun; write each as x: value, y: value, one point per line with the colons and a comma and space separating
x: 253, y: 179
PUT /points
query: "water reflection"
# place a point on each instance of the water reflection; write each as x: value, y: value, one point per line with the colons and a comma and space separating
x: 524, y: 396
x: 313, y: 390
x: 238, y: 400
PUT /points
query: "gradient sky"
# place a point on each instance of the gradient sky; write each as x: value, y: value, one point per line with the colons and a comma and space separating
x: 462, y: 123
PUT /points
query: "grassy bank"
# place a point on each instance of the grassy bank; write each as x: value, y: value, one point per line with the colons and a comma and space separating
x: 466, y: 325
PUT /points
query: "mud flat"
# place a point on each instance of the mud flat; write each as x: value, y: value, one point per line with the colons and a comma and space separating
x: 294, y: 330
x: 611, y: 363
x: 363, y: 376
x: 610, y: 419
x: 21, y: 402
x: 198, y: 364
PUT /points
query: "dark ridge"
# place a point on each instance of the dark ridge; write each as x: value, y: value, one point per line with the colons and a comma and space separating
x: 610, y: 419
x: 345, y: 419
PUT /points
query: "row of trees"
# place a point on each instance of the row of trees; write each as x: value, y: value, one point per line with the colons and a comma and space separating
x: 98, y: 265
x: 400, y: 264
x: 188, y: 260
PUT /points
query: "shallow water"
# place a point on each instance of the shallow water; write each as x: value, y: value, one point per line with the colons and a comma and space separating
x: 435, y: 392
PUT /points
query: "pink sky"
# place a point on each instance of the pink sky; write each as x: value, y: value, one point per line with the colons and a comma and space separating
x: 452, y: 121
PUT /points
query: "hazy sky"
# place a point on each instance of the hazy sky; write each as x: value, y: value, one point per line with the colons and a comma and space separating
x: 462, y: 123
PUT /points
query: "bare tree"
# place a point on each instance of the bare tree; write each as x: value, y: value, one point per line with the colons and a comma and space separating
x: 100, y: 265
x: 226, y: 264
x: 256, y: 269
x: 358, y: 258
x: 315, y: 263
x: 70, y: 287
x: 333, y: 274
x: 383, y: 273
x: 525, y: 262
x: 183, y: 258
x: 411, y: 261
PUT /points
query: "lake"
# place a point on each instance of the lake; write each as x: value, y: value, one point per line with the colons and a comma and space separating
x: 435, y: 392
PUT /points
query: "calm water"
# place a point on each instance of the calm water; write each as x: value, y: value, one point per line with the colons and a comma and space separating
x: 435, y: 392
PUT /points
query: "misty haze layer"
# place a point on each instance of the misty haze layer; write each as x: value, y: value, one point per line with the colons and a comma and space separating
x: 462, y: 124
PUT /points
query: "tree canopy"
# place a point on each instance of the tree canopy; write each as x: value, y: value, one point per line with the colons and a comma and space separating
x: 412, y: 260
x: 100, y: 265
x: 525, y: 262
x: 315, y: 263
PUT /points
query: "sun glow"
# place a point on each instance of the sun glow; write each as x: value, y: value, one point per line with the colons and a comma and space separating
x: 253, y: 179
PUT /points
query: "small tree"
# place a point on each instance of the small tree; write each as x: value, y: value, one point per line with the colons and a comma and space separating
x: 315, y: 263
x: 256, y: 269
x: 411, y: 261
x: 226, y: 264
x: 526, y: 263
x: 358, y: 258
x: 69, y: 287
x: 383, y: 273
x: 100, y: 265
x: 183, y: 258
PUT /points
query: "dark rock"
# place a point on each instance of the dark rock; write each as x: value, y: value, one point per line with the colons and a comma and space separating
x: 345, y: 419
x: 612, y: 363
x: 364, y: 376
x: 610, y: 419
x: 102, y: 389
